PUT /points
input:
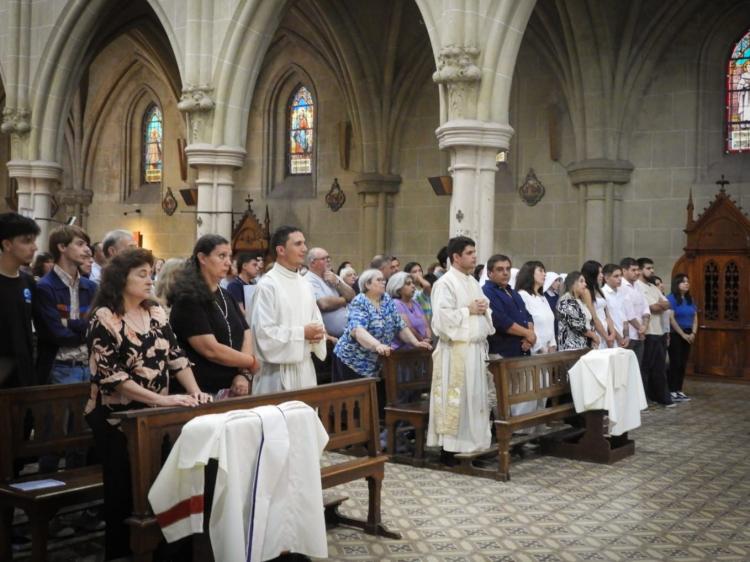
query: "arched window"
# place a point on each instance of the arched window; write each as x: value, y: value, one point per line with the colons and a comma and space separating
x: 738, y: 97
x: 711, y: 291
x: 153, y: 154
x: 300, y: 132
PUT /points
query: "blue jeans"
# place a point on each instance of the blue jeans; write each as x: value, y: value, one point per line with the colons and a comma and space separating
x: 63, y: 373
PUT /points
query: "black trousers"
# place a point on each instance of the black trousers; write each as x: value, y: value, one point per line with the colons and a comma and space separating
x: 118, y: 503
x: 653, y: 369
x: 636, y: 346
x: 679, y: 351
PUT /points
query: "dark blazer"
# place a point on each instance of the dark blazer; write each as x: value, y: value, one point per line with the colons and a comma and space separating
x: 507, y: 308
x: 51, y: 305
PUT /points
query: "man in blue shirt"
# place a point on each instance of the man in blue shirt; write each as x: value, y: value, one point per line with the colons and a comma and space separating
x: 514, y: 329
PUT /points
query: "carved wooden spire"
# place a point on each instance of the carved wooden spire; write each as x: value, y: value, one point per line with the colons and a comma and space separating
x: 690, y: 209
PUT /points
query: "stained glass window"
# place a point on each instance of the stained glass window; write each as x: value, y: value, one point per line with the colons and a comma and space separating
x: 738, y: 97
x: 301, y: 133
x: 152, y: 145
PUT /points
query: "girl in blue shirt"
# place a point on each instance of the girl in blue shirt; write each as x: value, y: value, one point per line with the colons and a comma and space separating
x: 684, y: 323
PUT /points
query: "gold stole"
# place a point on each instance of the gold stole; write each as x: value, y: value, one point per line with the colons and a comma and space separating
x: 446, y: 418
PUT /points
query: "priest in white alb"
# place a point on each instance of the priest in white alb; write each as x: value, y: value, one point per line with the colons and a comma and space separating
x: 286, y: 323
x: 459, y: 405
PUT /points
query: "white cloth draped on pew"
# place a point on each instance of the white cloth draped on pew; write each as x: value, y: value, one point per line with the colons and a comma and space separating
x: 609, y: 379
x: 267, y: 498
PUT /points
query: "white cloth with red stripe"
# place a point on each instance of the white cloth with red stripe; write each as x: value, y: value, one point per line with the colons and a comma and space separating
x: 267, y: 498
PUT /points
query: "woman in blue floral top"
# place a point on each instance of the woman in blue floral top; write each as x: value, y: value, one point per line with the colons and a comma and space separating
x: 372, y: 326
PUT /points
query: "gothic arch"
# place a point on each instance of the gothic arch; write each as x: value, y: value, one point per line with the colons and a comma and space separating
x: 78, y: 35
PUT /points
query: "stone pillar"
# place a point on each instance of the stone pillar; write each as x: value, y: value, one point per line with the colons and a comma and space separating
x: 376, y: 201
x: 75, y: 202
x: 36, y: 179
x: 599, y: 199
x: 473, y: 147
x: 215, y: 182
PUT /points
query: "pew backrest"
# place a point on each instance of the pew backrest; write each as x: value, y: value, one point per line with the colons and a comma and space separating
x: 522, y: 379
x: 406, y: 373
x: 42, y: 420
x: 347, y: 410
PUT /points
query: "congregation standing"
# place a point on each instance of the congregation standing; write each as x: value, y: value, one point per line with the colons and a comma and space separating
x: 146, y: 332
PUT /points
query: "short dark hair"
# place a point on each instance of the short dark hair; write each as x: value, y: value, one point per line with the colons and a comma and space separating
x: 627, y: 263
x: 409, y: 266
x: 115, y: 277
x: 13, y: 224
x: 458, y: 244
x: 65, y: 235
x: 442, y: 256
x: 379, y: 261
x: 656, y: 278
x: 245, y: 257
x: 643, y: 262
x: 478, y: 271
x: 495, y: 259
x: 280, y: 236
x: 610, y: 268
x: 525, y: 277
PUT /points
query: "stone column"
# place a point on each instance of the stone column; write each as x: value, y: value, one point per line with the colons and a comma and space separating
x: 215, y: 182
x: 376, y: 200
x: 75, y: 202
x: 36, y: 179
x: 473, y: 147
x: 600, y: 201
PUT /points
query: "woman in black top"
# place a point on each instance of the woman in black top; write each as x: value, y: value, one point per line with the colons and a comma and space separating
x: 207, y: 321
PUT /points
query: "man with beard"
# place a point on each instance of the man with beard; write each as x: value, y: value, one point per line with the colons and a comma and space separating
x: 653, y: 369
x: 18, y: 243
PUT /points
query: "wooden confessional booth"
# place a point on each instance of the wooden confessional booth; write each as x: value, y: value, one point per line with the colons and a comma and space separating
x: 717, y: 262
x: 249, y: 234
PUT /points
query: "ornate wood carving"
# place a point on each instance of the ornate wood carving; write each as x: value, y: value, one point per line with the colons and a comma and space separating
x: 717, y: 261
x: 250, y: 235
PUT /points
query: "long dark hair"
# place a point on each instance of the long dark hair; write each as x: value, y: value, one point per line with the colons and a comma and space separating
x: 590, y: 271
x: 676, y: 281
x: 115, y: 277
x: 525, y: 277
x: 189, y: 284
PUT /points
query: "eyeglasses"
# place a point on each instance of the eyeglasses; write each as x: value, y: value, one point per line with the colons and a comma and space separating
x: 326, y: 258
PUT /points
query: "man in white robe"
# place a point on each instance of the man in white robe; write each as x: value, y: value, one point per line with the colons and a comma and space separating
x: 459, y: 408
x: 286, y: 323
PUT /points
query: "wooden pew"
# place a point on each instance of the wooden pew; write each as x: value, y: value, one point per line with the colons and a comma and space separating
x: 522, y: 379
x: 403, y: 398
x: 55, y: 413
x: 348, y: 411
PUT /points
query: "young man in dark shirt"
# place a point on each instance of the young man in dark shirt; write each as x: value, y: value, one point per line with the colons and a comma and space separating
x: 18, y: 243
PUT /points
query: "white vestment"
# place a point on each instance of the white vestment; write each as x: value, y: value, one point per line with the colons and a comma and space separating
x: 459, y: 409
x: 282, y: 305
x: 267, y: 496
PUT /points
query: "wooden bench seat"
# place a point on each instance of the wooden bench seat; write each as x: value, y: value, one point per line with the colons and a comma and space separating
x: 347, y: 410
x: 43, y: 420
x: 524, y: 379
x: 407, y: 375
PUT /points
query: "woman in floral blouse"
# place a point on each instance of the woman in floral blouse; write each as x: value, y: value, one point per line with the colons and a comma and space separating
x: 373, y: 323
x: 576, y: 327
x: 133, y: 354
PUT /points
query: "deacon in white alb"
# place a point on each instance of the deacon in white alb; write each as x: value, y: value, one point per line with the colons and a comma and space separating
x: 461, y: 318
x: 286, y: 323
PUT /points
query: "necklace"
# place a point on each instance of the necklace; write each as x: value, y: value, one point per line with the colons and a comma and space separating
x: 142, y: 325
x: 225, y: 313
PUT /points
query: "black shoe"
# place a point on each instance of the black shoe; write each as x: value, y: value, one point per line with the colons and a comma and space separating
x: 448, y: 458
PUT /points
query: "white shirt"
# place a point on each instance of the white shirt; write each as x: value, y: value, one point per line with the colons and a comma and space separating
x: 635, y: 304
x: 616, y: 308
x: 334, y: 320
x: 544, y: 321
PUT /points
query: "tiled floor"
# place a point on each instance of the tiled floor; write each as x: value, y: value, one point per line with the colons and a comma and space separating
x: 685, y: 495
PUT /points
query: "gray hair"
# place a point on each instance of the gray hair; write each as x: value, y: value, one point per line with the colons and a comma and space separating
x: 367, y: 277
x: 112, y: 238
x: 347, y: 271
x: 311, y: 255
x: 166, y: 278
x: 396, y: 283
x: 379, y: 261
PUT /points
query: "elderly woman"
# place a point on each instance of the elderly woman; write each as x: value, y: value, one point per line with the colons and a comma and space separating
x: 401, y: 289
x: 575, y: 319
x: 423, y: 288
x: 133, y: 356
x: 349, y: 276
x: 373, y: 323
x: 208, y: 322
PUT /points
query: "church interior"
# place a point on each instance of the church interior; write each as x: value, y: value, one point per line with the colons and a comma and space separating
x: 547, y: 130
